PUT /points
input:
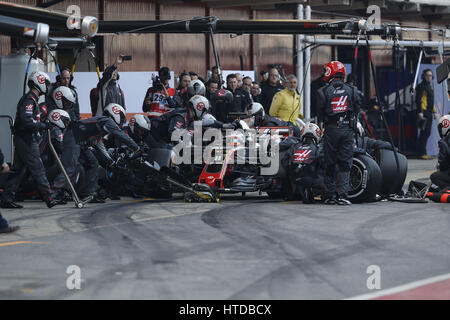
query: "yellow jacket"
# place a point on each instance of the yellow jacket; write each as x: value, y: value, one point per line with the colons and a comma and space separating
x: 424, y: 102
x: 286, y: 105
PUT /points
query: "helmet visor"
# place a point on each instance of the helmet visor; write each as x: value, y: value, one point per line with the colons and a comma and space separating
x: 67, y: 105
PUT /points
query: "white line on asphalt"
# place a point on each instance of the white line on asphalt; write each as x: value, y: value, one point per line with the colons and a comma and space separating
x: 401, y: 288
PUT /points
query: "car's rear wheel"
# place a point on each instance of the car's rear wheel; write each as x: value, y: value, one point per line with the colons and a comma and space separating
x: 365, y: 179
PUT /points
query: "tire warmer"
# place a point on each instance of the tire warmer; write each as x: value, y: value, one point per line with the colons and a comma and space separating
x: 443, y: 196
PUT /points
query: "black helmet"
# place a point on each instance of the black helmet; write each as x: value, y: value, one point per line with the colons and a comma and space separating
x: 164, y: 74
x: 222, y: 95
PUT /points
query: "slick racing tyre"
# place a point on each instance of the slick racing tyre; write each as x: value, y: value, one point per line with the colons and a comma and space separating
x: 365, y: 179
x: 306, y: 194
x: 393, y: 177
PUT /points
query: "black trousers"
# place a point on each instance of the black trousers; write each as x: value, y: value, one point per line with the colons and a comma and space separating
x: 338, y: 149
x: 69, y: 159
x: 441, y: 179
x: 3, y: 222
x: 27, y: 155
x: 90, y: 163
x: 424, y: 134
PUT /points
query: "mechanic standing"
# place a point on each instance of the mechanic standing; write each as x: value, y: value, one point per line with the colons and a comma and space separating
x: 4, y: 227
x: 27, y: 129
x: 425, y: 112
x: 338, y: 108
x: 108, y: 89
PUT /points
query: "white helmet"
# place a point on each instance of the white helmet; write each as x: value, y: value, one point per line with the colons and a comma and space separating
x: 255, y: 109
x: 40, y: 81
x: 196, y: 87
x: 361, y: 130
x: 208, y: 119
x: 59, y: 118
x: 444, y: 125
x: 139, y: 124
x: 64, y: 97
x: 200, y: 105
x: 116, y: 112
x: 311, y: 130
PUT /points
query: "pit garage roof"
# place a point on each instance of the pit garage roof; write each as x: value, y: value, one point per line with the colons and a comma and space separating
x: 389, y: 8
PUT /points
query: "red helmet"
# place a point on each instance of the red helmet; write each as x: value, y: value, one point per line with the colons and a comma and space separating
x: 332, y: 69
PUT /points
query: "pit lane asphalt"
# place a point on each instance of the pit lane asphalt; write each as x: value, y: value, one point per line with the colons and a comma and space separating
x: 252, y: 248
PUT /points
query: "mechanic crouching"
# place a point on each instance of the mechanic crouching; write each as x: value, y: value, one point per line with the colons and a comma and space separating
x: 130, y: 181
x: 164, y: 126
x: 89, y: 134
x: 441, y: 177
x: 304, y: 163
x: 338, y: 108
x: 368, y: 145
x: 260, y: 119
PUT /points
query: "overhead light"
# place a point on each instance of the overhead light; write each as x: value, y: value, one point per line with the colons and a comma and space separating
x: 89, y: 26
x: 41, y: 34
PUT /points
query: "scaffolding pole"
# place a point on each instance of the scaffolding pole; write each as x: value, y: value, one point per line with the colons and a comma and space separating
x: 307, y: 93
x: 403, y: 43
x: 300, y: 59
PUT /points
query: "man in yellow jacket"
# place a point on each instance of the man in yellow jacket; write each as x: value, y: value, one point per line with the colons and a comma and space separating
x: 286, y: 104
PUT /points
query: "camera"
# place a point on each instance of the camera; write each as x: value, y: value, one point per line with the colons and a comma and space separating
x: 163, y: 75
x: 157, y: 84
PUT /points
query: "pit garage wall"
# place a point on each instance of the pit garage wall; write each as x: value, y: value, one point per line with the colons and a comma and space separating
x: 194, y: 52
x: 142, y: 47
x: 181, y: 52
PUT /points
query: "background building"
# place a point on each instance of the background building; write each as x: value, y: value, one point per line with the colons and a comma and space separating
x: 249, y: 52
x: 254, y: 52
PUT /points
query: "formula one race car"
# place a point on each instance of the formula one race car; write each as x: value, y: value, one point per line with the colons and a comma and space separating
x: 244, y: 162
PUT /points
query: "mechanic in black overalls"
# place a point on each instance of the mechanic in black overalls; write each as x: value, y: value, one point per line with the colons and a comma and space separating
x: 27, y: 127
x: 338, y: 109
x: 89, y: 135
x: 4, y: 226
x: 441, y: 177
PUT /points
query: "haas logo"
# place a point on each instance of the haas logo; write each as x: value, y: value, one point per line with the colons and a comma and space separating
x: 58, y: 95
x: 41, y: 79
x: 339, y: 104
x: 445, y: 123
x: 302, y: 155
x: 318, y: 132
x: 116, y: 110
x: 56, y: 116
x: 44, y: 110
x: 200, y: 106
